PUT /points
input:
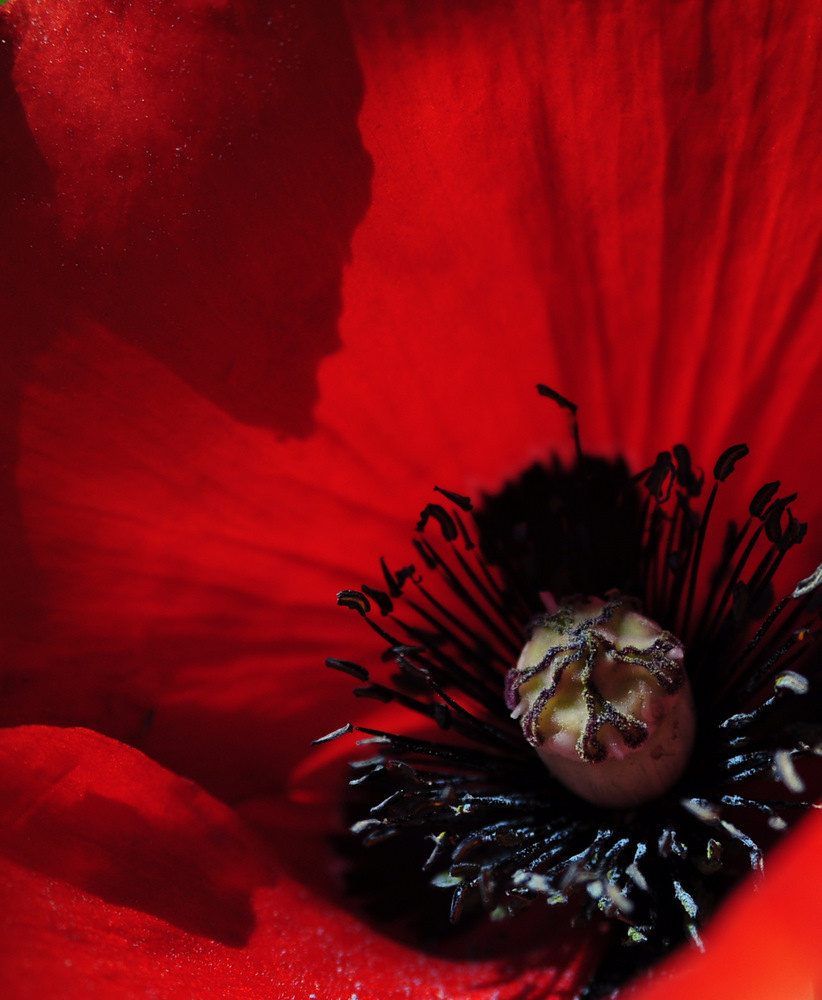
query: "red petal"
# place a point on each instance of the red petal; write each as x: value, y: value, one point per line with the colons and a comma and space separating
x: 199, y: 174
x: 764, y: 943
x: 624, y: 201
x: 125, y: 881
x: 623, y: 204
x: 190, y: 578
x: 189, y: 177
x: 176, y: 555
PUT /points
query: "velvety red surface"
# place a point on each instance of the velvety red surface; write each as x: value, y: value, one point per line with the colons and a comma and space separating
x: 270, y: 273
x: 124, y: 880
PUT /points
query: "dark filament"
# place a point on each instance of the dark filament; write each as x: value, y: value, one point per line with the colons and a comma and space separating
x: 499, y: 832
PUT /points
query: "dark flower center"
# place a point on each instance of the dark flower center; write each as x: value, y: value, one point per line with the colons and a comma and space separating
x: 462, y: 789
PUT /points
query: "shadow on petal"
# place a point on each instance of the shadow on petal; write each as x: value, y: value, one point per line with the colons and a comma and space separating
x: 90, y: 812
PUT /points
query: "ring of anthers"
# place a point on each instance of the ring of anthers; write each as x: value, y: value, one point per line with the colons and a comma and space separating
x: 698, y: 694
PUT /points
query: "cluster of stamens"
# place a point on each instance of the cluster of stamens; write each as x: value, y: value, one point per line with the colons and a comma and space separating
x: 670, y: 722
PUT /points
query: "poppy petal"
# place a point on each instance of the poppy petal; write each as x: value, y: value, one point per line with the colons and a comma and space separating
x: 763, y: 943
x: 622, y: 203
x: 122, y: 878
x: 184, y: 156
x: 187, y: 601
x: 179, y: 555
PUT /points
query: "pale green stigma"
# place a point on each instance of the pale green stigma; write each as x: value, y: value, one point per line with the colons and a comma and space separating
x: 601, y: 693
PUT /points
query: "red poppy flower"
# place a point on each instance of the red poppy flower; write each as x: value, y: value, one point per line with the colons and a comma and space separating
x: 221, y: 405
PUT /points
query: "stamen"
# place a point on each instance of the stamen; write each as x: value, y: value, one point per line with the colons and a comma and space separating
x: 679, y: 727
